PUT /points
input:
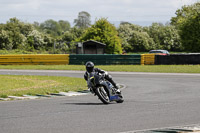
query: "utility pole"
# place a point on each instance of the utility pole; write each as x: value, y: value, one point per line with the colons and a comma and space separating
x: 54, y: 47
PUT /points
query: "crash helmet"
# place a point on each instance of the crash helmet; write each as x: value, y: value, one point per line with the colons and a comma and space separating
x: 89, y: 66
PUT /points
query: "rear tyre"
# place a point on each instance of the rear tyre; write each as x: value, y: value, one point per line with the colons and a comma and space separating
x: 103, y: 95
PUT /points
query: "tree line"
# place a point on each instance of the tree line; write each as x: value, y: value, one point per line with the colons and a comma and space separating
x: 181, y: 34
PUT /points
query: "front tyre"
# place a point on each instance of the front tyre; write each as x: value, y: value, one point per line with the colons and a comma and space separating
x: 121, y: 100
x: 103, y: 95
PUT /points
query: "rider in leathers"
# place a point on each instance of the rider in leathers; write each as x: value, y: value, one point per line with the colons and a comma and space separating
x: 90, y: 68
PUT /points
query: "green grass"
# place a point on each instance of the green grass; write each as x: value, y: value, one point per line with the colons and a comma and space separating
x: 125, y: 68
x: 44, y: 67
x: 32, y: 85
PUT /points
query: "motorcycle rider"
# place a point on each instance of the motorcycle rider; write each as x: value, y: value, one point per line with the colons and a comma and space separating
x: 90, y: 68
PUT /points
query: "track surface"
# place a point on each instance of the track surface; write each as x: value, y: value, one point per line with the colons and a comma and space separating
x: 151, y: 101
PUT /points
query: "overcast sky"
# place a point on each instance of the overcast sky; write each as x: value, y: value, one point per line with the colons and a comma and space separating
x: 137, y: 11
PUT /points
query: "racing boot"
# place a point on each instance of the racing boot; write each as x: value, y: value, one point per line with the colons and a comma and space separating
x: 109, y: 78
x: 118, y: 91
x: 116, y: 86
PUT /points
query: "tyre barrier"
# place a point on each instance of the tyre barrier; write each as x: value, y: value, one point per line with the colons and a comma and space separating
x: 105, y: 59
x: 40, y: 59
x: 177, y: 59
x: 102, y: 59
x: 147, y: 59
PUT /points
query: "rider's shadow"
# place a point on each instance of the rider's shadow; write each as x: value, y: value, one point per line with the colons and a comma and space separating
x: 86, y: 103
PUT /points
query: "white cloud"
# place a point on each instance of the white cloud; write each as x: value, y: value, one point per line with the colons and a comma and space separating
x: 114, y: 10
x: 180, y: 3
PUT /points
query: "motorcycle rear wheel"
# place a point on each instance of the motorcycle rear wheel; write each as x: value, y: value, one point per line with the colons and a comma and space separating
x: 103, y: 95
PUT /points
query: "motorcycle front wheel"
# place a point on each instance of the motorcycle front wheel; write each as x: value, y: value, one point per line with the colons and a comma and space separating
x: 121, y: 100
x: 103, y: 95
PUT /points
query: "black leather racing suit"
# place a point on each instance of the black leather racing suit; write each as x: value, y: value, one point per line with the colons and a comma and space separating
x: 107, y: 76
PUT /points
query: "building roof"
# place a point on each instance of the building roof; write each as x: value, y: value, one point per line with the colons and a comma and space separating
x: 92, y: 41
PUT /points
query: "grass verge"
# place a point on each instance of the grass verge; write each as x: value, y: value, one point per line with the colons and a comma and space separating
x: 32, y: 85
x: 124, y: 68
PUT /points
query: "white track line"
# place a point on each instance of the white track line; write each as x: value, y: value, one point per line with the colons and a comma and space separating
x: 153, y: 129
x: 81, y: 72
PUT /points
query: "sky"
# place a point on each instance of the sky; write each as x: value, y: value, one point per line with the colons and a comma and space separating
x: 142, y: 12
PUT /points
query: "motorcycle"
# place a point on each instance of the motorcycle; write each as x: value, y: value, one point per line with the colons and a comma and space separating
x: 99, y: 86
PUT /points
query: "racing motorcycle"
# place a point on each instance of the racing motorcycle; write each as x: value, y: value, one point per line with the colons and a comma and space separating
x: 99, y: 86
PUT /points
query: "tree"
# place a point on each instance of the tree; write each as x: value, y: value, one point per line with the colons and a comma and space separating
x: 125, y: 23
x: 141, y: 41
x: 15, y: 31
x: 188, y: 23
x: 181, y: 15
x: 126, y: 31
x: 104, y: 32
x: 164, y: 36
x: 171, y: 38
x: 69, y: 37
x: 19, y: 35
x: 64, y: 25
x: 83, y: 20
x: 36, y: 39
x: 51, y: 27
x: 5, y: 41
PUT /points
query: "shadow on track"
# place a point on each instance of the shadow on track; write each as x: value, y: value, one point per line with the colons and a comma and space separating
x: 87, y: 103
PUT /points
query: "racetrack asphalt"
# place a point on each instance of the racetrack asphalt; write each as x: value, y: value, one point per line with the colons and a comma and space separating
x: 152, y: 100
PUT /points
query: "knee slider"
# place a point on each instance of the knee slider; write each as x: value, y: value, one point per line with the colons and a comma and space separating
x: 109, y: 76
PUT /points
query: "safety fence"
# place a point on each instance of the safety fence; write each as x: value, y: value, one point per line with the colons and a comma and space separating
x: 171, y: 59
x: 42, y: 59
x: 147, y: 59
x: 104, y: 59
x: 177, y: 59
